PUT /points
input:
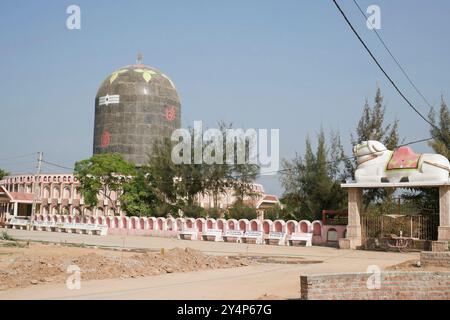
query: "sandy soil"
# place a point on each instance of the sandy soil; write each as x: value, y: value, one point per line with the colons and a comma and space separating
x: 411, y: 265
x: 275, y: 273
x: 23, y: 264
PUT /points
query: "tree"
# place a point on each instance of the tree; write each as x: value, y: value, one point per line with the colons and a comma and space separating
x: 440, y: 130
x: 427, y: 199
x: 140, y: 197
x: 371, y: 126
x: 237, y: 175
x: 103, y: 174
x: 177, y: 183
x: 241, y: 211
x: 312, y: 182
x: 180, y: 184
x: 3, y: 174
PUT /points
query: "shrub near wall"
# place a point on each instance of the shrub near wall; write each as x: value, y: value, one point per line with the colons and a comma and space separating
x: 394, y: 286
x: 241, y: 211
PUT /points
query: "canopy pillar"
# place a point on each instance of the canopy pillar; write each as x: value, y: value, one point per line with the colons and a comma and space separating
x: 354, y: 237
x: 444, y: 213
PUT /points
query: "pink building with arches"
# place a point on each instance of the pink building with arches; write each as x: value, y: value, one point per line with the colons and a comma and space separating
x: 53, y: 194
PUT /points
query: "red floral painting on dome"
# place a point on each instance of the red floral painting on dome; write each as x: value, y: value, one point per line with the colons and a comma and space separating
x: 171, y: 113
x: 105, y: 140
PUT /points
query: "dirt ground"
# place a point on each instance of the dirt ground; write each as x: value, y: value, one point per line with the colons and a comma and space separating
x: 25, y: 264
x: 273, y: 271
x: 411, y: 265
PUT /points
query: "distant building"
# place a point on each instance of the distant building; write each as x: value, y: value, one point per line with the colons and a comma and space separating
x: 54, y: 194
x: 60, y: 194
x: 258, y: 200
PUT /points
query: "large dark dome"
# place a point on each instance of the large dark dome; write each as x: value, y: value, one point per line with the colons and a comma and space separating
x: 135, y: 106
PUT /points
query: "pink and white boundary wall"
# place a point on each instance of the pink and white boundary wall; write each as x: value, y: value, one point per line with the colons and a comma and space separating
x: 171, y: 227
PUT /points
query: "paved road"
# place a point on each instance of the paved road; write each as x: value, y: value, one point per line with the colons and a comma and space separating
x: 237, y: 283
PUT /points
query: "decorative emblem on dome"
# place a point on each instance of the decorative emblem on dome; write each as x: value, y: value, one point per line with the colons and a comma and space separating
x: 171, y: 113
x: 106, y: 100
x: 105, y: 140
x: 116, y: 74
x: 146, y: 73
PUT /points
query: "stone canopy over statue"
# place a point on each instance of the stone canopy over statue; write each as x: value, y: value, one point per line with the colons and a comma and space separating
x: 378, y: 164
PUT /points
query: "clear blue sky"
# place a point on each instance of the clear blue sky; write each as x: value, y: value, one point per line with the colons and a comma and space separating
x: 292, y: 65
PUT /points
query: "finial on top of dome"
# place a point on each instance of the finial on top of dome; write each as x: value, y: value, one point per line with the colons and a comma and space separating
x: 139, y: 58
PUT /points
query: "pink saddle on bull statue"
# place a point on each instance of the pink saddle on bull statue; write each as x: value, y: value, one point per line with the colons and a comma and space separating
x: 403, y: 158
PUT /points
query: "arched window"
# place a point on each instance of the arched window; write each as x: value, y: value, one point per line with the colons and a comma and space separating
x: 66, y: 193
x: 56, y: 192
x: 99, y: 212
x: 46, y: 192
x: 55, y: 210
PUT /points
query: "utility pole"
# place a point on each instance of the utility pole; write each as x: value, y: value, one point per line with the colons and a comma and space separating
x: 36, y: 177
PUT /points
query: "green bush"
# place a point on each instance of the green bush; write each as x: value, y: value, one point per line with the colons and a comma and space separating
x: 216, y: 213
x: 194, y: 211
x: 241, y: 211
x: 286, y: 214
x: 163, y: 210
x: 274, y: 213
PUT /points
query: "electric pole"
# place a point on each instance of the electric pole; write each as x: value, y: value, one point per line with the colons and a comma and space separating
x: 36, y: 178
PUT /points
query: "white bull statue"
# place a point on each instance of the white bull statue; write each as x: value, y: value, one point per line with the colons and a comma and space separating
x: 378, y: 164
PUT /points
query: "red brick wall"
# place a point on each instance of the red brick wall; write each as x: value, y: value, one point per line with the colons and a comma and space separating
x: 394, y: 285
x: 438, y: 259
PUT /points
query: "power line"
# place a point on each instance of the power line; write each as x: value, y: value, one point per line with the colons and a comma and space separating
x: 354, y: 157
x: 56, y: 165
x: 394, y: 58
x: 18, y: 157
x: 15, y: 163
x: 382, y: 69
x: 275, y: 171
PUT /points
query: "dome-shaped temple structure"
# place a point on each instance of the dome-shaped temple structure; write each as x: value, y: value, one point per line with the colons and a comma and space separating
x: 135, y: 106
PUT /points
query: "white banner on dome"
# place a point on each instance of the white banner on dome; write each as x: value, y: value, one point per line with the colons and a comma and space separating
x: 106, y: 100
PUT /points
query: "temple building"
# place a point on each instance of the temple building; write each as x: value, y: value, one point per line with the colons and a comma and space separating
x: 135, y: 106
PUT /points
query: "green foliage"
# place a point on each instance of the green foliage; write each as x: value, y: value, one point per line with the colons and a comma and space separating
x: 215, y: 213
x: 371, y: 126
x: 426, y: 200
x: 139, y: 196
x: 241, y: 211
x: 441, y: 131
x: 181, y: 183
x: 286, y: 213
x: 194, y: 211
x: 163, y: 209
x: 178, y: 184
x: 3, y: 174
x: 312, y: 182
x: 102, y: 174
x: 274, y: 214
